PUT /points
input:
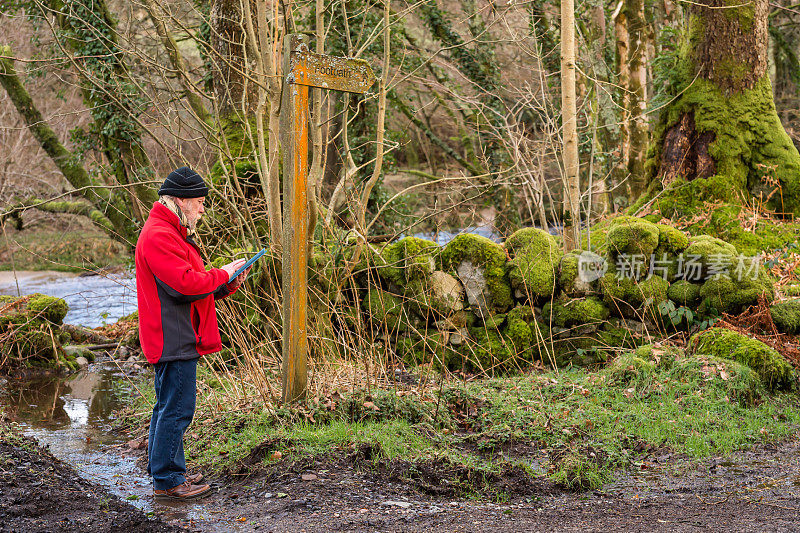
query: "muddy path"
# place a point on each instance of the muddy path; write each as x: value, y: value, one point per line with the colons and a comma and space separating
x: 98, y: 483
x: 39, y: 493
x: 747, y: 491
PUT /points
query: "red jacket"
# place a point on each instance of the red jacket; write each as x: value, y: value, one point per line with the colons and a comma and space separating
x: 177, y: 318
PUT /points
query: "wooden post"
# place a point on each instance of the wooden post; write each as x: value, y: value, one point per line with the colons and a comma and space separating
x: 302, y: 69
x: 294, y: 141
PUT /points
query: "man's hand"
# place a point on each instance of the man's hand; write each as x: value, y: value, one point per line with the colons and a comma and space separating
x: 231, y: 268
x: 233, y: 285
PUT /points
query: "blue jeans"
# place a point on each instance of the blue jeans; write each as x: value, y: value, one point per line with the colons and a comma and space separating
x: 175, y: 383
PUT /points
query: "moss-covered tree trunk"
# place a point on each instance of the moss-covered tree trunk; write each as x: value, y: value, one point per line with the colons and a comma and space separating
x: 720, y: 138
x: 115, y: 100
x: 635, y: 100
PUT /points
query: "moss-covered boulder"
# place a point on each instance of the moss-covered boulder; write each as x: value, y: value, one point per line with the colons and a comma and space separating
x: 632, y: 236
x: 480, y: 264
x: 533, y: 265
x: 684, y: 293
x: 579, y: 273
x: 774, y: 370
x: 386, y: 310
x: 76, y: 351
x: 707, y: 256
x: 671, y: 240
x: 439, y: 295
x: 764, y: 235
x: 666, y: 261
x: 718, y: 378
x: 627, y: 297
x: 786, y: 316
x: 30, y: 332
x: 566, y: 312
x: 407, y: 260
x: 50, y: 308
x: 733, y: 293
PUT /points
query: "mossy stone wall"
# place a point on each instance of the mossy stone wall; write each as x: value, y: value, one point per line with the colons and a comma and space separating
x: 525, y: 300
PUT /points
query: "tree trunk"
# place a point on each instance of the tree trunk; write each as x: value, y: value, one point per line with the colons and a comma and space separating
x: 720, y: 138
x: 606, y: 132
x: 110, y: 95
x: 636, y: 101
x: 228, y: 40
x: 116, y: 220
x: 620, y: 172
x: 572, y: 216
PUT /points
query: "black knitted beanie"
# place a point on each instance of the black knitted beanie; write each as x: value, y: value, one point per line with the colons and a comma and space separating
x: 184, y: 183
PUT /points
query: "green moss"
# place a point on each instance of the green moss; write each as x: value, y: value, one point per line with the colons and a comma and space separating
x: 733, y: 295
x: 751, y: 149
x: 488, y: 352
x: 407, y: 260
x: 51, y: 308
x: 386, y: 310
x: 568, y: 312
x: 653, y: 291
x: 632, y: 236
x: 568, y: 271
x: 428, y: 349
x: 786, y: 316
x: 791, y: 290
x: 519, y: 333
x: 30, y: 341
x: 535, y: 255
x: 629, y: 368
x: 579, y: 352
x: 684, y: 293
x: 774, y: 370
x: 626, y: 297
x: 648, y: 368
x: 707, y: 255
x: 592, y: 348
x: 493, y: 322
x: 671, y: 240
x: 707, y: 247
x: 621, y: 294
x: 766, y: 235
x: 133, y: 317
x: 29, y: 327
x: 484, y: 254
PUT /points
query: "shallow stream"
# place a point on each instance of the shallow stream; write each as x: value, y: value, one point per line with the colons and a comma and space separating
x: 93, y: 300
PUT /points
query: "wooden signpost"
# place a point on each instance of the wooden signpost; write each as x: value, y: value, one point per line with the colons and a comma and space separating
x: 303, y: 69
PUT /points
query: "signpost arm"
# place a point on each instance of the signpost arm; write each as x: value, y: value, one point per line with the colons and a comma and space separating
x: 294, y: 141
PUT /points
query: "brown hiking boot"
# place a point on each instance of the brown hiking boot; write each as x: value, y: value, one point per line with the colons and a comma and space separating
x: 184, y: 491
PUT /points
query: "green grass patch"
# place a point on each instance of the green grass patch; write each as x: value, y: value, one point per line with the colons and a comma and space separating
x: 589, y: 423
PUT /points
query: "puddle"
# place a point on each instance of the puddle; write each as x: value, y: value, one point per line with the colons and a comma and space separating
x: 72, y: 416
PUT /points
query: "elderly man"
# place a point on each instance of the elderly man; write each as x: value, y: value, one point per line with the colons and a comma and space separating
x: 177, y: 323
